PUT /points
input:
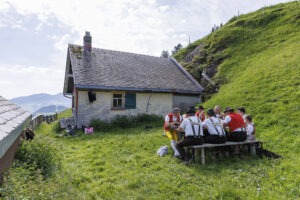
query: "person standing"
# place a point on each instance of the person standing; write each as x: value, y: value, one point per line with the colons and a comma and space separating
x: 172, y: 121
x: 192, y: 127
x: 200, y: 114
x: 215, y: 131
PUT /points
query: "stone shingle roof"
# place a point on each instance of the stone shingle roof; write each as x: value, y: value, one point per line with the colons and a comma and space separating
x: 114, y: 69
x: 12, y: 122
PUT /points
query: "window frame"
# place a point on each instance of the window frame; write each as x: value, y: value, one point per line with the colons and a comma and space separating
x: 122, y: 107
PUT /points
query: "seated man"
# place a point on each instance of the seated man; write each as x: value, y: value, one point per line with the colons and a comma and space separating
x: 186, y: 115
x: 241, y: 111
x: 250, y: 128
x: 193, y: 133
x: 217, y: 111
x: 213, y: 125
x: 236, y: 124
x: 172, y: 121
x: 200, y: 114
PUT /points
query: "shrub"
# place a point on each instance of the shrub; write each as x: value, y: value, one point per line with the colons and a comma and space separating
x: 40, y: 154
x: 123, y: 121
x: 100, y: 125
x: 23, y: 181
x: 146, y: 118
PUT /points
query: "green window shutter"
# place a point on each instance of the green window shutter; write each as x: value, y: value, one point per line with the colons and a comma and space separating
x: 130, y: 101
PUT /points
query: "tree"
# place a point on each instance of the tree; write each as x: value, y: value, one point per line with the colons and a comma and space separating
x: 176, y: 48
x: 164, y: 54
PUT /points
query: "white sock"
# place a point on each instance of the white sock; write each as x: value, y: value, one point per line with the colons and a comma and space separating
x: 173, y: 145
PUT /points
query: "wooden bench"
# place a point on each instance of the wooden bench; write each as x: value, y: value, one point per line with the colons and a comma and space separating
x: 202, y: 147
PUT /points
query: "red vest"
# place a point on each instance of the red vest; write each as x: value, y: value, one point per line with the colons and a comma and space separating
x: 171, y: 120
x: 202, y: 116
x: 236, y: 122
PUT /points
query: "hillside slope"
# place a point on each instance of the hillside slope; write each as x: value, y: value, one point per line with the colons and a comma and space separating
x: 256, y: 62
x: 252, y: 45
x: 49, y: 109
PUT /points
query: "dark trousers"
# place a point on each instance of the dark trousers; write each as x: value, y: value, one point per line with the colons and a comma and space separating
x: 214, y: 139
x: 187, y: 141
x: 237, y: 136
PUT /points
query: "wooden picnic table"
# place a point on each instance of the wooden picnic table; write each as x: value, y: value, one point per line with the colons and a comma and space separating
x: 202, y: 147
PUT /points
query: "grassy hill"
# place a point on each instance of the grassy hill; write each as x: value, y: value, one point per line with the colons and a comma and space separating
x: 255, y: 60
x: 258, y: 47
x: 258, y: 58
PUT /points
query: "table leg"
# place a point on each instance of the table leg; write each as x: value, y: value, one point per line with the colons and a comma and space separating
x: 253, y: 149
x: 202, y: 156
x: 196, y: 155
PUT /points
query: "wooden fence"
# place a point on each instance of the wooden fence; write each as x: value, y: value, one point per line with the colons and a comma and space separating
x: 37, y: 120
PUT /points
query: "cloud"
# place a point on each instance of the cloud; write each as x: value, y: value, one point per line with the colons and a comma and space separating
x: 4, y: 6
x: 136, y: 26
x: 140, y: 26
x: 61, y: 43
x: 23, y: 80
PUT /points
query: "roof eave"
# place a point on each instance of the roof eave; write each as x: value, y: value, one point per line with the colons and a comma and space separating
x: 66, y: 80
x: 188, y: 75
x: 114, y: 88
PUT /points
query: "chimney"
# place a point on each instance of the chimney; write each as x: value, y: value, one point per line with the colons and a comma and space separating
x: 87, y: 42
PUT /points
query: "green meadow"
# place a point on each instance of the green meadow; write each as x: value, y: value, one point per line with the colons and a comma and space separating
x: 122, y: 164
x: 259, y: 56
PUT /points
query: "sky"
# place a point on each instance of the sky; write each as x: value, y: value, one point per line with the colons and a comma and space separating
x: 34, y: 34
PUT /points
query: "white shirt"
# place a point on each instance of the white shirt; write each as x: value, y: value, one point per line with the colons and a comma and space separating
x: 250, y: 128
x: 211, y: 126
x: 244, y: 117
x: 187, y: 126
x: 217, y: 115
x: 167, y: 118
x: 227, y: 120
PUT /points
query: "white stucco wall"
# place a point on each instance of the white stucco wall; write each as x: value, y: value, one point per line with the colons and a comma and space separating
x: 159, y: 104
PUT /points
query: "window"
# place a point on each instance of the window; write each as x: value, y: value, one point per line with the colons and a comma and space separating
x: 124, y: 101
x: 118, y: 101
x: 130, y: 101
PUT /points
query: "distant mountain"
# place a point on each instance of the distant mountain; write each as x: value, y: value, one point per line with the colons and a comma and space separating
x: 35, y: 102
x: 49, y: 109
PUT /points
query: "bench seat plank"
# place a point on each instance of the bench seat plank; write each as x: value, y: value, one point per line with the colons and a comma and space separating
x: 206, y: 145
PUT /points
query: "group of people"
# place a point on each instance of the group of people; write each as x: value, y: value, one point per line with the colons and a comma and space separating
x: 212, y: 126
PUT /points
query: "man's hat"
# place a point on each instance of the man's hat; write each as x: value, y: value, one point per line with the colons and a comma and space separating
x: 191, y: 108
x: 201, y: 107
x: 210, y: 112
x: 191, y: 111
